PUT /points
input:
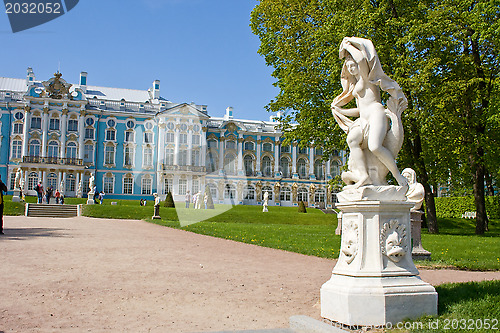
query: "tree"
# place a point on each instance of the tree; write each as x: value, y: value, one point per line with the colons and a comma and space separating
x: 210, y: 202
x: 169, y: 200
x: 417, y: 42
x: 302, y: 207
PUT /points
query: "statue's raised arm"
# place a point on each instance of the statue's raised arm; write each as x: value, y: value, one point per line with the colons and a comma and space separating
x: 376, y: 136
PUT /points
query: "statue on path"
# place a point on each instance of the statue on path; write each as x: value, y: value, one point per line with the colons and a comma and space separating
x: 376, y: 136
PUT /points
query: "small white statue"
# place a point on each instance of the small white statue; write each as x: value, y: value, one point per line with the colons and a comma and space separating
x: 266, y: 202
x: 79, y: 190
x: 17, y: 180
x: 416, y: 191
x: 62, y: 187
x: 157, y: 199
x: 91, y: 183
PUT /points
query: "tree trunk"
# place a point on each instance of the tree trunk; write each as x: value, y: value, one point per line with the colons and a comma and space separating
x: 481, y: 217
x: 490, y: 191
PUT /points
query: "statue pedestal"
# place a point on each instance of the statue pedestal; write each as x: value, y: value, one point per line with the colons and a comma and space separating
x: 90, y: 200
x: 417, y: 251
x: 375, y: 281
x: 156, y: 216
x: 16, y: 197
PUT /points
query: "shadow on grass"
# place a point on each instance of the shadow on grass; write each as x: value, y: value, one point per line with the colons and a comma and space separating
x: 452, y: 295
x: 465, y: 227
x: 26, y: 233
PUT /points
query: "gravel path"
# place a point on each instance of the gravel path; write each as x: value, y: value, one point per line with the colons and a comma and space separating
x: 93, y: 275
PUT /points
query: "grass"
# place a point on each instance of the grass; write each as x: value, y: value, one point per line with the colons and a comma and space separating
x: 286, y: 229
x: 462, y: 307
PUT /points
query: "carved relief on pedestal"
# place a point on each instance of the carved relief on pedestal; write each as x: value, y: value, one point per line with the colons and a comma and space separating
x: 350, y: 240
x: 393, y: 240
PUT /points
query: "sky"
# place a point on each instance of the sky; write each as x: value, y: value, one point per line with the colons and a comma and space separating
x: 202, y: 51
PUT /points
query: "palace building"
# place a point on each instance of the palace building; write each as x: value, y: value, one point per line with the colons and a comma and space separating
x: 136, y: 143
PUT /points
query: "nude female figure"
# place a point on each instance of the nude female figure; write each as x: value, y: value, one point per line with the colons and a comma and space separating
x: 375, y: 137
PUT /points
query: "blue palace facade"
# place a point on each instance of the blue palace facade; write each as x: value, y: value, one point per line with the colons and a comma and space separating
x: 136, y: 143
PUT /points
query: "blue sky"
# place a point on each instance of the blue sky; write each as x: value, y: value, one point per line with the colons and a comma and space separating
x: 203, y: 51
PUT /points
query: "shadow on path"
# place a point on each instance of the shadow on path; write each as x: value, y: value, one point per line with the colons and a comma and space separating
x: 26, y: 233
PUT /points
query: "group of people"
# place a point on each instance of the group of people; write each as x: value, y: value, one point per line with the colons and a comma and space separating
x: 98, y: 196
x: 143, y: 202
x: 197, y: 199
x: 45, y: 196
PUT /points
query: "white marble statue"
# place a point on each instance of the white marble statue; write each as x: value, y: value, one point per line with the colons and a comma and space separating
x: 265, y: 202
x: 376, y: 136
x: 79, y: 190
x: 17, y: 180
x: 416, y: 191
x: 91, y: 183
x: 157, y: 199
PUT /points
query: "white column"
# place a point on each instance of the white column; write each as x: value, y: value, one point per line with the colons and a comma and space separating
x: 221, y: 152
x: 204, y: 148
x: 26, y: 127
x: 44, y: 179
x: 25, y: 189
x: 276, y: 155
x: 81, y: 133
x: 240, y: 154
x: 190, y: 148
x: 161, y: 145
x: 63, y: 132
x: 294, y: 158
x: 311, y: 161
x: 45, y: 125
x: 176, y: 146
x: 257, y: 165
x: 327, y: 172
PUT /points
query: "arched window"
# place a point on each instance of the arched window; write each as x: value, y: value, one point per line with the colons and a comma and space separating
x: 52, y: 180
x: 334, y: 168
x: 230, y: 164
x: 249, y: 192
x: 248, y: 165
x: 285, y: 149
x: 267, y: 146
x: 212, y: 143
x: 35, y: 148
x: 302, y: 150
x: 230, y: 144
x: 267, y: 169
x: 229, y: 191
x: 285, y: 194
x: 319, y: 169
x: 302, y: 194
x: 269, y: 190
x: 301, y: 168
x: 71, y: 150
x: 285, y: 167
x: 249, y: 146
x: 319, y: 195
x: 32, y: 180
x: 211, y: 162
x: 53, y: 149
x: 70, y: 182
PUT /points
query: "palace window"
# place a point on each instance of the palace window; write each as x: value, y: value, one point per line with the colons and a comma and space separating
x: 52, y: 180
x: 110, y: 134
x: 319, y: 195
x: 54, y: 124
x: 267, y: 169
x: 18, y: 128
x: 72, y: 125
x: 319, y: 169
x: 248, y: 165
x: 109, y: 154
x: 249, y: 146
x: 230, y: 164
x: 285, y: 149
x: 249, y: 192
x: 334, y: 168
x: 285, y: 194
x: 17, y: 148
x: 146, y: 185
x: 230, y: 144
x: 129, y: 136
x: 128, y: 185
x: 267, y: 146
x: 269, y: 191
x: 71, y: 150
x: 182, y: 186
x: 36, y: 122
x: 128, y: 156
x: 70, y: 183
x: 212, y: 143
x: 169, y: 137
x: 108, y: 184
x: 182, y: 157
x: 195, y: 157
x: 88, y: 153
x: 196, y: 139
x: 89, y: 133
x: 301, y: 168
x: 12, y: 182
x: 196, y: 186
x: 167, y: 185
x: 18, y: 115
x: 147, y: 157
x: 183, y: 138
x: 148, y: 137
x: 35, y: 148
x: 302, y: 194
x: 32, y: 180
x: 229, y: 191
x: 213, y: 190
x: 211, y: 162
x: 302, y: 150
x: 319, y: 151
x: 53, y: 149
x: 169, y: 156
x: 284, y: 167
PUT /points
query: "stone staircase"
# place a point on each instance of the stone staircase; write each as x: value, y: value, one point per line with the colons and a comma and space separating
x: 51, y: 210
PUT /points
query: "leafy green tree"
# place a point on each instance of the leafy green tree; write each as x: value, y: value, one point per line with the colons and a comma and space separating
x: 300, y: 40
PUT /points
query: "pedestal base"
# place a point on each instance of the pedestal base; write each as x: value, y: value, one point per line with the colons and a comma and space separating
x: 374, y: 301
x: 156, y: 217
x: 90, y: 201
x: 16, y: 197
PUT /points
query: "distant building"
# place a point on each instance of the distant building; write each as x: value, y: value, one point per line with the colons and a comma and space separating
x: 136, y: 143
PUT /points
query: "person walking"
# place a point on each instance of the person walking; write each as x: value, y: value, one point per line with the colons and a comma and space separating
x: 57, y: 195
x: 48, y: 194
x: 188, y: 199
x: 39, y: 192
x: 3, y: 188
x: 101, y: 197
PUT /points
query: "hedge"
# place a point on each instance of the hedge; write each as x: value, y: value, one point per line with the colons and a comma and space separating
x: 454, y: 207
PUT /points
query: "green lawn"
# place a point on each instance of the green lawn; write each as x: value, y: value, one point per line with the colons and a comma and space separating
x: 311, y: 233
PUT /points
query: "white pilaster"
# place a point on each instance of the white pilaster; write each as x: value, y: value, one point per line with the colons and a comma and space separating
x: 64, y: 126
x: 276, y: 155
x: 176, y: 146
x: 81, y: 133
x: 311, y: 162
x: 257, y: 165
x: 221, y: 152
x: 26, y: 128
x: 45, y: 125
x: 240, y: 154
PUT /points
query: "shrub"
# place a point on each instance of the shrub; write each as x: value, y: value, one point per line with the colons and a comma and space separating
x: 169, y: 201
x: 302, y: 207
x: 454, y: 207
